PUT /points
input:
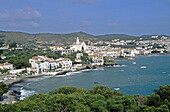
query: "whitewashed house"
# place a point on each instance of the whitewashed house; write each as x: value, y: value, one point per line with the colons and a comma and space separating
x: 65, y: 63
x: 6, y: 66
x: 97, y: 59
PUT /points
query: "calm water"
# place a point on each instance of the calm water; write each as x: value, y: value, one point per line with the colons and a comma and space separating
x: 130, y: 78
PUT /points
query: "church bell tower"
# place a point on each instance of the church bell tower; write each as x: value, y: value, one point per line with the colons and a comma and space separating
x: 77, y: 42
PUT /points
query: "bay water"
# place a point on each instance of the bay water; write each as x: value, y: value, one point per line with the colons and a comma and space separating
x: 129, y: 77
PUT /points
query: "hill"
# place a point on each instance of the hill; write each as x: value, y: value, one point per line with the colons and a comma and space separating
x: 64, y: 39
x: 48, y: 37
x: 117, y: 36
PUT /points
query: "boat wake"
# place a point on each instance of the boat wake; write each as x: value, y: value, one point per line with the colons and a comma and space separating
x: 117, y: 66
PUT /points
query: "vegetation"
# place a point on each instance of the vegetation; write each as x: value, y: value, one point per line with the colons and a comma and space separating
x: 98, y: 99
x: 3, y: 88
x: 4, y: 71
x: 59, y: 39
x: 62, y: 39
x: 13, y: 45
x: 1, y: 43
x: 117, y: 36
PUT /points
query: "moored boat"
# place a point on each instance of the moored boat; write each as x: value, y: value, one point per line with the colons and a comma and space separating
x: 117, y: 89
x: 143, y: 67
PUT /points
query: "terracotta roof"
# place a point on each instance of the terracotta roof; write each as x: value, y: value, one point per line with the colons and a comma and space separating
x: 37, y: 62
x: 7, y: 63
x: 35, y: 58
x: 49, y: 59
x: 65, y: 59
x: 78, y: 59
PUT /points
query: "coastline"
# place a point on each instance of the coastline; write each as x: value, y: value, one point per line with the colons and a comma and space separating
x: 13, y: 81
x: 10, y: 82
x: 11, y: 98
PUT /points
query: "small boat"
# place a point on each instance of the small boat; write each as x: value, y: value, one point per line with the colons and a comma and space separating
x: 169, y: 75
x: 134, y: 63
x: 143, y: 67
x: 117, y: 89
x: 163, y: 72
x: 96, y: 82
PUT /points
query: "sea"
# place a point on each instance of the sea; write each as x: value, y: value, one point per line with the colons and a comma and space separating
x: 131, y: 76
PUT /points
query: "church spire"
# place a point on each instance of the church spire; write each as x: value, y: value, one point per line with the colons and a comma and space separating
x: 77, y: 42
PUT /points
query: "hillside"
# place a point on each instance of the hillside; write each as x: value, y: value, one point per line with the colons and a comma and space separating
x: 117, y: 36
x: 48, y: 37
x: 64, y: 39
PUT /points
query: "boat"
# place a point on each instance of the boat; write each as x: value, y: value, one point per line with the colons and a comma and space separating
x: 96, y: 82
x: 117, y: 89
x: 143, y: 67
x: 134, y: 63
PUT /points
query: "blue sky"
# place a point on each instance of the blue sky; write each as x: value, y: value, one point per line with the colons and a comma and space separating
x: 135, y: 17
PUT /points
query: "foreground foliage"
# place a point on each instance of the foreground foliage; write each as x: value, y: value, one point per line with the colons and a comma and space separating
x: 3, y: 88
x: 98, y: 99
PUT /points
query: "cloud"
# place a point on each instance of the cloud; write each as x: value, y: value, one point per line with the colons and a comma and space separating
x: 20, y: 14
x: 13, y: 25
x: 84, y: 1
x: 113, y: 24
x: 34, y: 24
x: 20, y: 25
x: 85, y: 23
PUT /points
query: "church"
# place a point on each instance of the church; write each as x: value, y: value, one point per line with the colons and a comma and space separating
x: 78, y: 46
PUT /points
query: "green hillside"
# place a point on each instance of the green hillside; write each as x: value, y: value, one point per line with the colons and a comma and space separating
x: 48, y: 37
x: 64, y: 39
x: 117, y: 36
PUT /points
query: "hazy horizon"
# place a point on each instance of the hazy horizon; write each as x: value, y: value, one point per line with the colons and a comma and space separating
x: 97, y: 17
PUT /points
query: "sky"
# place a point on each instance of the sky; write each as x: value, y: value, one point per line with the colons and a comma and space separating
x: 98, y: 17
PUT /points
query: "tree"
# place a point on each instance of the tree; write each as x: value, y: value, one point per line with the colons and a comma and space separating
x: 153, y: 100
x: 13, y: 45
x: 1, y: 43
x: 163, y: 92
x: 3, y: 88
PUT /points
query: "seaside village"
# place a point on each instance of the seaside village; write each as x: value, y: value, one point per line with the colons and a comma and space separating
x: 98, y: 55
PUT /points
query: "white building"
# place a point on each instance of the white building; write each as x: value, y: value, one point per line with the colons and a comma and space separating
x: 66, y: 64
x: 43, y: 64
x: 97, y: 59
x: 6, y: 66
x: 78, y: 46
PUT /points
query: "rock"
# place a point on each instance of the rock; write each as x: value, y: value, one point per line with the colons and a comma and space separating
x: 17, y: 92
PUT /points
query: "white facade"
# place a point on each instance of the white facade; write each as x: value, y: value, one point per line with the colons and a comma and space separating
x: 6, y: 66
x: 78, y: 46
x: 47, y: 64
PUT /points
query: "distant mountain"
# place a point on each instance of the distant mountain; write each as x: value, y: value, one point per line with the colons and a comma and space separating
x: 127, y: 37
x: 117, y: 36
x: 48, y: 37
x: 64, y: 39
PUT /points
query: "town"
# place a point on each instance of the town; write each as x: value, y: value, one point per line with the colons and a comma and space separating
x: 55, y: 60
